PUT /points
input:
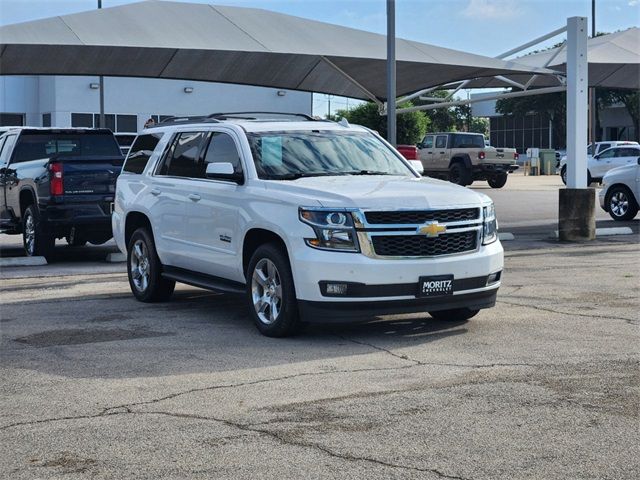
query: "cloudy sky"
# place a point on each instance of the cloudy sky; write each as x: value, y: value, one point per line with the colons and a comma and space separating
x: 486, y: 27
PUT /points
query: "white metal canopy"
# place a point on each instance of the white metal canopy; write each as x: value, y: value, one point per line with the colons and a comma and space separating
x: 162, y: 39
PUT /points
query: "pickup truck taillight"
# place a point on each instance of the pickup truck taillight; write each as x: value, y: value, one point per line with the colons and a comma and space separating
x: 481, y: 155
x: 516, y: 155
x: 410, y: 152
x: 56, y: 182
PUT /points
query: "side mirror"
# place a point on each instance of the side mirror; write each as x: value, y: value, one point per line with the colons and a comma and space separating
x: 596, y: 157
x: 223, y: 171
x: 417, y: 166
x: 638, y: 160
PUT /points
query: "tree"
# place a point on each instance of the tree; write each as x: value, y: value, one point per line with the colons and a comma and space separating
x: 410, y: 127
x: 629, y: 98
x: 480, y: 125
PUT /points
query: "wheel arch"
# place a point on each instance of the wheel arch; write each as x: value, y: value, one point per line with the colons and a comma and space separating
x: 255, y: 237
x: 133, y: 221
x: 461, y: 158
x: 26, y: 197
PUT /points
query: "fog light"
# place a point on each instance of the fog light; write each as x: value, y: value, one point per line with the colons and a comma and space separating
x: 336, y: 288
x: 493, y: 278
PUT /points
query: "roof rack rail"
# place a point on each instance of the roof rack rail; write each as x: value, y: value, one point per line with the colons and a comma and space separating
x: 282, y: 116
x: 188, y: 119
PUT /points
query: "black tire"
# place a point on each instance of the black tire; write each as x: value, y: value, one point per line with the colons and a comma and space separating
x: 497, y: 181
x: 143, y: 263
x: 563, y: 176
x: 36, y: 239
x: 271, y: 295
x: 620, y: 203
x: 455, y: 315
x: 460, y: 174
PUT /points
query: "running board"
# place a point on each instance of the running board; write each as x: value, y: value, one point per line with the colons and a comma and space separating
x: 202, y: 280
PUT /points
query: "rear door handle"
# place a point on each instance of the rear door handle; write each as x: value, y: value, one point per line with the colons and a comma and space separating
x: 194, y: 196
x: 155, y: 191
x: 442, y: 152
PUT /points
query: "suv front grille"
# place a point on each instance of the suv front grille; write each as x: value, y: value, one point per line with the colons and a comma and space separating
x: 422, y: 246
x: 418, y: 217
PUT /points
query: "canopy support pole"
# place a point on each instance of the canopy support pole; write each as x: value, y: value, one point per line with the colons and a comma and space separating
x: 577, y: 216
x: 391, y: 72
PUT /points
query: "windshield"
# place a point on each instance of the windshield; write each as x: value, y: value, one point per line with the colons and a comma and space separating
x: 291, y: 155
x: 33, y: 146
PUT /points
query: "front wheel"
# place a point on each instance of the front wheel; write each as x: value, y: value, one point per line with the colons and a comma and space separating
x: 621, y: 204
x: 271, y: 293
x: 145, y: 270
x: 498, y: 181
x: 563, y: 176
x: 36, y: 239
x: 454, y: 315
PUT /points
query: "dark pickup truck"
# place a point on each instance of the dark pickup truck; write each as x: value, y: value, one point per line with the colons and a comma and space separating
x: 58, y: 183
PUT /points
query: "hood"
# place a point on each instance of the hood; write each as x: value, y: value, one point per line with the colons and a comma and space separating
x: 380, y: 192
x: 621, y: 173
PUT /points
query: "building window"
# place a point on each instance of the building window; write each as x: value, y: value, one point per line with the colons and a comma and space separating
x: 127, y: 123
x: 46, y: 119
x: 109, y: 120
x: 82, y: 120
x: 11, y: 119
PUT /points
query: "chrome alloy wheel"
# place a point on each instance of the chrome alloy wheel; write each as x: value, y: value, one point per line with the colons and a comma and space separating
x: 30, y: 234
x: 266, y: 291
x: 139, y: 266
x: 619, y: 204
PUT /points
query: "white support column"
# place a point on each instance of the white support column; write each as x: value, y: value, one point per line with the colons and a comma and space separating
x: 577, y: 203
x: 577, y: 88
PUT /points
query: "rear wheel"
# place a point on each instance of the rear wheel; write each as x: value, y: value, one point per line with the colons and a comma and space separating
x: 270, y: 292
x: 621, y: 204
x: 36, y: 239
x: 145, y: 270
x: 455, y: 315
x: 459, y: 174
x: 498, y: 181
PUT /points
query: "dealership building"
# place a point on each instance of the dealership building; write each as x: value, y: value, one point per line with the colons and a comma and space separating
x: 74, y: 101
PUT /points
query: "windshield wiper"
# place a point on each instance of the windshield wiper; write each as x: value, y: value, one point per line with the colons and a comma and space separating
x: 297, y: 175
x: 368, y: 172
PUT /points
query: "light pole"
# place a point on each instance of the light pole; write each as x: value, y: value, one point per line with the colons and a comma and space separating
x: 101, y: 81
x: 593, y: 104
x: 391, y: 72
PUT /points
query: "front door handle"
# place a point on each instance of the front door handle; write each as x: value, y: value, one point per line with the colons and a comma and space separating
x: 155, y: 191
x: 442, y: 153
x: 194, y: 196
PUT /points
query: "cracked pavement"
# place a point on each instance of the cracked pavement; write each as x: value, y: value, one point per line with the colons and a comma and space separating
x: 545, y: 385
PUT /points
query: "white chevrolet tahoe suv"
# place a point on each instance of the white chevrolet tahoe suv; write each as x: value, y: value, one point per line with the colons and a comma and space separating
x: 313, y: 221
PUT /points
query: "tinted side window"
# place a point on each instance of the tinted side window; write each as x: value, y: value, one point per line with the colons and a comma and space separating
x: 428, y: 142
x: 627, y: 152
x: 604, y: 146
x: 608, y: 153
x: 140, y: 152
x: 10, y: 140
x: 222, y: 149
x: 441, y: 141
x: 184, y: 157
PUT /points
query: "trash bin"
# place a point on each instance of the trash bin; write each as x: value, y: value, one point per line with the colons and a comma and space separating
x: 547, y: 161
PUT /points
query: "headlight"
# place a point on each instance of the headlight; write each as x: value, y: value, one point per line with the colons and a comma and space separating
x: 489, y: 225
x: 334, y: 229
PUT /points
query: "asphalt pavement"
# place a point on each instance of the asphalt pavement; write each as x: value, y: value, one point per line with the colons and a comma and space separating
x: 545, y: 385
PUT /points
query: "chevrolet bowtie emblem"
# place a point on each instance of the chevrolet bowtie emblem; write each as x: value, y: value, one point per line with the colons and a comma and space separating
x: 432, y: 229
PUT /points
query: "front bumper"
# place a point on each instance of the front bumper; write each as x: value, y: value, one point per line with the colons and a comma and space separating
x: 602, y: 195
x: 338, y: 312
x: 388, y: 280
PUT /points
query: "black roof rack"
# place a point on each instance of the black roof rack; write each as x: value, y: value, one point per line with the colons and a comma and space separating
x: 188, y: 119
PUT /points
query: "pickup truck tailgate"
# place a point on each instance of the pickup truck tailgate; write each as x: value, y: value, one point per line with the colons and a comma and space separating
x: 90, y: 175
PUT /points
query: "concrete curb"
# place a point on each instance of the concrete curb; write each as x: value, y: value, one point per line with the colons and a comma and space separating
x: 603, y: 232
x: 22, y: 261
x: 506, y: 236
x: 116, y: 257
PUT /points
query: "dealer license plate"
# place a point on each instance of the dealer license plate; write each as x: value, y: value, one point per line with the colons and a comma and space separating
x: 435, y: 286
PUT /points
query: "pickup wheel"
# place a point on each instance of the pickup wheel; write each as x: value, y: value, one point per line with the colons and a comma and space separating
x: 455, y: 315
x: 498, y: 181
x: 620, y: 203
x: 270, y: 292
x: 459, y: 174
x: 36, y: 239
x: 145, y: 270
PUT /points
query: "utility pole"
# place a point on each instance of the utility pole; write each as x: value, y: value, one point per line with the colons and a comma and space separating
x: 102, y: 123
x: 391, y: 72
